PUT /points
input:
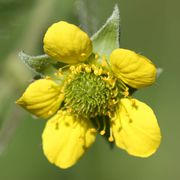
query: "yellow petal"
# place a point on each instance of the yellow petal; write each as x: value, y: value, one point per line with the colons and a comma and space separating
x: 67, y: 43
x: 42, y: 98
x: 66, y: 138
x: 134, y: 69
x: 135, y: 128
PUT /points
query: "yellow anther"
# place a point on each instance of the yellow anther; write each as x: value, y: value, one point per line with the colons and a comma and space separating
x: 113, y: 101
x: 72, y: 68
x: 96, y: 72
x: 113, y: 121
x: 93, y: 67
x: 79, y: 68
x: 50, y: 112
x: 59, y: 112
x: 96, y: 56
x: 112, y: 82
x: 126, y: 93
x: 102, y: 132
x: 63, y: 112
x: 69, y: 110
x: 62, y: 89
x: 104, y: 63
x: 57, y: 88
x: 111, y: 139
x: 48, y: 77
x: 88, y: 69
x: 93, y: 130
x: 100, y: 71
x: 109, y: 114
x: 105, y: 79
x: 58, y: 73
x: 69, y: 80
x: 83, y: 54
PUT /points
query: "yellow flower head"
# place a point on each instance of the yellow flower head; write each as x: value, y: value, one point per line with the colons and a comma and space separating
x: 92, y: 98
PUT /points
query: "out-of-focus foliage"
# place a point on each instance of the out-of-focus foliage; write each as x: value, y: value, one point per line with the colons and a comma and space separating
x: 150, y: 27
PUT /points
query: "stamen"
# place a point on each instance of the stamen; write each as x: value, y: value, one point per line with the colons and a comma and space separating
x: 78, y: 69
x: 47, y: 77
x: 93, y: 130
x: 126, y: 93
x: 69, y: 110
x: 88, y: 69
x: 102, y: 132
x: 93, y: 67
x: 123, y: 86
x: 50, y: 113
x: 58, y: 73
x: 129, y: 118
x: 55, y: 87
x: 63, y: 113
x: 98, y: 124
x: 111, y: 138
x: 96, y: 56
x: 72, y: 68
x: 109, y: 114
x: 98, y: 71
x: 83, y: 54
x: 104, y: 63
x: 113, y: 102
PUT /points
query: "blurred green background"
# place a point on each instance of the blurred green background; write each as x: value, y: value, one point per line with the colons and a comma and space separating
x: 151, y: 27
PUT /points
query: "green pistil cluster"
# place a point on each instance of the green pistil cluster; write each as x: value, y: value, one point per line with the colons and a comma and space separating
x: 90, y: 91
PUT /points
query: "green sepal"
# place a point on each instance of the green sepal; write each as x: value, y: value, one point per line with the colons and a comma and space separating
x: 35, y: 63
x: 107, y: 38
x: 42, y: 65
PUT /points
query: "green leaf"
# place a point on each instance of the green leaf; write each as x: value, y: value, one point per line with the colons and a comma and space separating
x: 107, y: 38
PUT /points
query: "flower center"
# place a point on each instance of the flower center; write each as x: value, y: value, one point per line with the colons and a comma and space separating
x: 90, y: 91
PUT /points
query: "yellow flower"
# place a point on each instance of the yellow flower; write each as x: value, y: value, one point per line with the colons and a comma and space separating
x: 91, y: 99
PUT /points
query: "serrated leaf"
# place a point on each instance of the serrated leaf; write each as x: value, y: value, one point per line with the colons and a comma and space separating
x: 107, y: 38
